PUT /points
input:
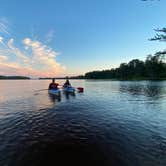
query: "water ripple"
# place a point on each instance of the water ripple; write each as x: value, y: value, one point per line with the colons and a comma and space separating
x: 112, y: 123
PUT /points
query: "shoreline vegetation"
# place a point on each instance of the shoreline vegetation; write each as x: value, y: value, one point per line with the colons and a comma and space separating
x: 153, y: 68
x: 14, y: 78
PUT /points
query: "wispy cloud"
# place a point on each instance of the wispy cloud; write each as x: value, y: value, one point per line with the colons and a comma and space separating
x: 4, y: 26
x: 23, y: 58
x: 1, y: 39
x: 3, y: 58
x: 11, y: 68
x: 42, y: 55
x: 35, y: 59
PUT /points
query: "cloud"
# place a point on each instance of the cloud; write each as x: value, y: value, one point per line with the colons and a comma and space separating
x: 42, y: 54
x: 3, y: 58
x: 4, y: 26
x: 23, y: 58
x: 1, y: 39
x: 35, y: 59
x: 11, y: 68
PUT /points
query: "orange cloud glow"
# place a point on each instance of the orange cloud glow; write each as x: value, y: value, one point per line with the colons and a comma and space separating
x: 35, y: 60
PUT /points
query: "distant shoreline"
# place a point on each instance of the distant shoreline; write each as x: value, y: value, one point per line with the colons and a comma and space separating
x: 14, y: 78
x: 75, y: 78
x: 164, y: 79
x: 108, y: 79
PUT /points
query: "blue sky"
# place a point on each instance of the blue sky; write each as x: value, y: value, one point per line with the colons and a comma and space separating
x: 78, y: 35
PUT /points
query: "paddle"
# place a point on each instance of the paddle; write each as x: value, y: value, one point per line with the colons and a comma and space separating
x: 40, y: 90
x: 80, y: 89
x: 36, y: 91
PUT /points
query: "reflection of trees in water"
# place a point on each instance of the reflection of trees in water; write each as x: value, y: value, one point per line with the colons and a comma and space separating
x: 148, y: 89
x: 153, y: 91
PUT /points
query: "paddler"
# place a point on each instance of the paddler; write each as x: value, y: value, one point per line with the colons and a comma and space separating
x: 67, y: 83
x: 53, y: 84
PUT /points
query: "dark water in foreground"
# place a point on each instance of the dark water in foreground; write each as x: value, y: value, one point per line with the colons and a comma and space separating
x: 111, y: 123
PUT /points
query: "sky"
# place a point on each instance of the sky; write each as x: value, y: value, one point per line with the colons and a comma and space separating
x: 50, y: 38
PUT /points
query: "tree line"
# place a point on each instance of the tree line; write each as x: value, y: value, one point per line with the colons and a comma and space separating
x: 154, y: 68
x: 13, y: 77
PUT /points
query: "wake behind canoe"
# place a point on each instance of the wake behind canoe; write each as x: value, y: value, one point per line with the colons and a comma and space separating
x: 56, y: 92
x: 69, y: 89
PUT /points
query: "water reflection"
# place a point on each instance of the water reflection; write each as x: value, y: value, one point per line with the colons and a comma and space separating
x: 148, y: 89
x: 54, y: 98
x: 68, y: 95
x: 2, y: 99
x: 154, y: 89
x: 112, y: 123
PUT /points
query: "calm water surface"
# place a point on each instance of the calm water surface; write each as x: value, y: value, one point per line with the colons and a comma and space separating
x: 111, y: 123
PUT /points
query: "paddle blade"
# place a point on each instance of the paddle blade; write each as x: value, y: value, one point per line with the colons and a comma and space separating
x: 80, y: 89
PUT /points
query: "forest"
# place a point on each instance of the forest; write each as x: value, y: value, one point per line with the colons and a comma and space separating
x: 153, y: 68
x: 13, y: 77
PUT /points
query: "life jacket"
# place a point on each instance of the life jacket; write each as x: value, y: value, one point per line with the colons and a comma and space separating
x: 66, y: 84
x: 53, y: 86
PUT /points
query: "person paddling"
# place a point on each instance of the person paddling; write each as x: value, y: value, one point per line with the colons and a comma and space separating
x: 53, y: 85
x: 67, y: 83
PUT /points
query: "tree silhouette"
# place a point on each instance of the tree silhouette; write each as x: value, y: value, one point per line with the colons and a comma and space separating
x: 160, y: 36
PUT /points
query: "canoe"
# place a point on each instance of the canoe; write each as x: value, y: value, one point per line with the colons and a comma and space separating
x: 54, y: 92
x: 69, y: 89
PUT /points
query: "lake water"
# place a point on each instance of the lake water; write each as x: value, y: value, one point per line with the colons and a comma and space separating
x: 111, y: 123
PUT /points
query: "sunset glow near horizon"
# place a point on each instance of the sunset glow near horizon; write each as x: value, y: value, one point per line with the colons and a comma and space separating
x: 58, y: 38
